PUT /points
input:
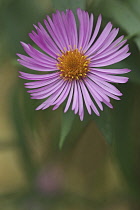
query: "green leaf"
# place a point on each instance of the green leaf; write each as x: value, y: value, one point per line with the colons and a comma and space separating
x: 123, y: 15
x: 126, y: 132
x: 104, y: 123
x: 134, y: 6
x: 67, y: 121
x: 121, y: 125
x: 68, y: 4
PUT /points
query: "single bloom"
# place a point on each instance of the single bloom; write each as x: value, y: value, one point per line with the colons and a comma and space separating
x: 71, y: 62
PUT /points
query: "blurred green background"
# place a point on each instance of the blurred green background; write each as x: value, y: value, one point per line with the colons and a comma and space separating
x: 98, y: 165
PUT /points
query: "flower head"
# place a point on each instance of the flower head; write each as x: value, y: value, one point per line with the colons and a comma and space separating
x: 73, y: 61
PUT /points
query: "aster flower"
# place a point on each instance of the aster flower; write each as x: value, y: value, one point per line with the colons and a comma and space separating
x: 73, y: 60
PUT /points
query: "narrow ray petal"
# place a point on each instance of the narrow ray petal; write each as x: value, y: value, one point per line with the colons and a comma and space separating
x: 72, y: 62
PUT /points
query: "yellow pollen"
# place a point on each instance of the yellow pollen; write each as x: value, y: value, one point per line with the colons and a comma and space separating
x: 73, y: 64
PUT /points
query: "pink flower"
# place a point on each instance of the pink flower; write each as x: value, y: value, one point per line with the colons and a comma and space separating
x: 73, y: 61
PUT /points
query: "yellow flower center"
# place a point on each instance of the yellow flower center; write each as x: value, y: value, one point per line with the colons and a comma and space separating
x: 73, y: 64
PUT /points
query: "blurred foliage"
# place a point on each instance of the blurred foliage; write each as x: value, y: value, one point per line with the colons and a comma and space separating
x: 127, y: 135
x: 74, y: 176
x: 68, y: 4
